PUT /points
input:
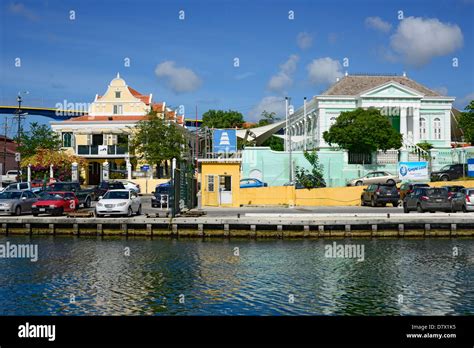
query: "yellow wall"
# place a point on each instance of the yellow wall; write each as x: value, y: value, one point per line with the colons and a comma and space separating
x: 151, y: 184
x: 274, y: 195
x: 215, y: 169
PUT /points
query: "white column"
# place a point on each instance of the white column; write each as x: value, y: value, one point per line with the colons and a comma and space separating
x: 129, y: 169
x: 447, y: 126
x: 51, y: 171
x: 416, y: 125
x: 322, y: 126
x: 403, y: 122
x: 29, y: 172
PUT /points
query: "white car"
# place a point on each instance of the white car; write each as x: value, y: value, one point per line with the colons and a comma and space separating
x: 129, y: 185
x: 118, y: 202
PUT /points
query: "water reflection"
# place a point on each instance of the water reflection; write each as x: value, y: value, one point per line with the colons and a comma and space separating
x: 270, y: 277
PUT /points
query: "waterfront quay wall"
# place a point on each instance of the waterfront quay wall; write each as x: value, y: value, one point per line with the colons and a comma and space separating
x: 326, y: 196
x: 307, y: 226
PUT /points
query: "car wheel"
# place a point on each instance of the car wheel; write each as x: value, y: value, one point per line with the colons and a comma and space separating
x: 395, y: 204
x: 359, y: 183
x: 405, y: 209
x: 464, y: 210
x: 17, y: 211
x: 129, y: 212
x: 139, y: 211
x: 419, y: 208
x: 390, y: 182
x: 445, y: 178
x: 87, y: 204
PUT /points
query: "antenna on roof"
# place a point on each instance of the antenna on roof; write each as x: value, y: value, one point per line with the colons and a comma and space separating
x: 118, y: 75
x: 404, y: 74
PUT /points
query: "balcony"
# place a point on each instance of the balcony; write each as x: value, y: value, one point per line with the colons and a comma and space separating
x: 101, y: 150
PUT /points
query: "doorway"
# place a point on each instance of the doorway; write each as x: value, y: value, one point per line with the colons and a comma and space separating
x: 94, y: 173
x: 225, y: 189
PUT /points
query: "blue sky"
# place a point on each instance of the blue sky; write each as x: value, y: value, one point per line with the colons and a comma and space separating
x: 191, y: 62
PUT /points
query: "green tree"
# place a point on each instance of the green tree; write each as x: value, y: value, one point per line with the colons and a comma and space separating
x: 310, y: 179
x: 275, y: 143
x: 466, y: 122
x: 363, y: 131
x: 267, y: 118
x: 157, y: 141
x: 38, y: 137
x: 222, y: 119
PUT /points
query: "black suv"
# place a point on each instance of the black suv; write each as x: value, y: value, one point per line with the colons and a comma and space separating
x: 380, y: 194
x: 449, y: 172
x: 104, y: 186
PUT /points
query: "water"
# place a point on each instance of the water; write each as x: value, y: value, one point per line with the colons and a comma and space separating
x: 261, y: 281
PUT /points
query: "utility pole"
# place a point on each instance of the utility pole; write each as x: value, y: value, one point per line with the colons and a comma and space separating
x: 18, y: 143
x: 304, y: 123
x: 286, y: 123
x: 5, y: 147
x: 289, y: 139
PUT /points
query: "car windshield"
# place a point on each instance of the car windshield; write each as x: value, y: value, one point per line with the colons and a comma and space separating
x: 51, y: 196
x: 116, y: 195
x: 56, y: 187
x: 448, y: 167
x: 115, y: 185
x: 10, y: 195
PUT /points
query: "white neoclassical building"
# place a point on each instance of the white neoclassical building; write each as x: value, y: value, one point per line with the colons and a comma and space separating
x: 417, y: 112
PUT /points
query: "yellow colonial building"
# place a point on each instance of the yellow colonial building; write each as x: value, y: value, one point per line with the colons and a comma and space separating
x: 102, y: 136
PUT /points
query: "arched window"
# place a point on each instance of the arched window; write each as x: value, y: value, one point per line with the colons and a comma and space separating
x: 437, y: 128
x: 423, y: 128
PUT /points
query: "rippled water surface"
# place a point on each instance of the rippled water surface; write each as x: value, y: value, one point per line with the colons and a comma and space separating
x: 270, y: 277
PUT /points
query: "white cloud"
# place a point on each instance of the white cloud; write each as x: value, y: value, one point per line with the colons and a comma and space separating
x: 179, y: 79
x: 462, y: 102
x: 270, y: 104
x: 21, y: 10
x: 418, y: 40
x: 304, y: 40
x: 378, y: 24
x: 284, y: 78
x: 324, y: 70
x: 441, y: 90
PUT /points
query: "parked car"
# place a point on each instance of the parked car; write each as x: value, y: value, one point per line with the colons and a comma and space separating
x: 84, y: 196
x: 453, y: 189
x: 449, y: 172
x: 375, y: 178
x: 427, y: 199
x: 161, y: 195
x: 380, y: 194
x: 55, y: 203
x: 129, y: 185
x: 17, y: 202
x: 119, y: 202
x: 251, y: 182
x: 463, y: 200
x: 10, y: 176
x: 409, y: 187
x: 22, y: 186
x: 104, y: 186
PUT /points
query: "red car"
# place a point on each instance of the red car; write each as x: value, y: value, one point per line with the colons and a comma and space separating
x: 55, y: 203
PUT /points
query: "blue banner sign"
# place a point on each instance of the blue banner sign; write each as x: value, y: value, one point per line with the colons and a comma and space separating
x: 413, y: 171
x: 224, y: 141
x: 470, y: 167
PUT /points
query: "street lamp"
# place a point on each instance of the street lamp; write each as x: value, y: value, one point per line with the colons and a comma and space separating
x: 20, y: 115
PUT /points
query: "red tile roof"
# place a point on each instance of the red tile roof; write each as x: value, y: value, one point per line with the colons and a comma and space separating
x: 158, y: 107
x: 144, y: 98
